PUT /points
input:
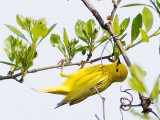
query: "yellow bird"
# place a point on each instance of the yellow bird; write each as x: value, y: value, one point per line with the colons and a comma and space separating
x: 88, y: 81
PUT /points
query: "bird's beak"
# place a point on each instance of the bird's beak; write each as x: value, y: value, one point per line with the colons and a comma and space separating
x: 118, y: 62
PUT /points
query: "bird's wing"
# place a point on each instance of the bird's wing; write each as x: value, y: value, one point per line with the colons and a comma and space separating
x: 82, y: 90
x: 79, y: 96
x: 86, y: 93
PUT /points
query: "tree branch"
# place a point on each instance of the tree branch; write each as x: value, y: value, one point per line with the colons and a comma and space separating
x: 108, y: 27
x: 114, y: 10
x: 55, y: 66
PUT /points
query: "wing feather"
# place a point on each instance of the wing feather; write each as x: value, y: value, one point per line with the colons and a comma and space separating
x: 88, y: 91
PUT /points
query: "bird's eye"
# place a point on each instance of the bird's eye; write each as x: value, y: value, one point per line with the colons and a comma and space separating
x: 117, y: 70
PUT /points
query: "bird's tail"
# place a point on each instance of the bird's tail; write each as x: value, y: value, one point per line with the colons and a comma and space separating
x: 60, y: 89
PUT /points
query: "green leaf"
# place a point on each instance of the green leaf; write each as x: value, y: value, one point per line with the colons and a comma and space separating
x: 144, y: 35
x: 21, y: 21
x: 81, y: 48
x: 134, y: 112
x: 90, y: 27
x: 38, y: 31
x: 155, y: 92
x: 30, y: 56
x: 16, y: 31
x: 42, y: 21
x: 137, y: 4
x: 54, y: 39
x: 123, y: 36
x: 7, y: 63
x: 95, y: 34
x: 147, y: 19
x: 72, y: 49
x: 137, y: 85
x: 124, y: 25
x: 123, y: 43
x: 136, y: 24
x: 116, y: 26
x: 83, y: 52
x: 158, y: 3
x: 79, y: 30
x: 78, y: 48
x: 49, y: 30
x: 116, y: 52
x: 56, y: 42
x: 21, y: 51
x: 145, y: 117
x: 107, y: 34
x: 65, y: 38
x: 132, y: 5
x: 102, y: 39
x: 9, y: 45
x: 136, y: 82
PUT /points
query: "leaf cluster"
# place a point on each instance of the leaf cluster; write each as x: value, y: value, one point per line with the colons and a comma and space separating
x: 119, y: 30
x: 68, y: 48
x: 86, y: 32
x: 145, y: 18
x: 21, y: 53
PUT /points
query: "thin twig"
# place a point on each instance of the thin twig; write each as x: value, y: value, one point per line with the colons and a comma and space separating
x: 155, y: 114
x: 140, y: 41
x: 103, y: 51
x: 114, y: 10
x: 89, y: 56
x: 97, y: 117
x: 124, y: 106
x: 105, y: 57
x: 121, y: 113
x: 94, y: 12
x: 103, y: 102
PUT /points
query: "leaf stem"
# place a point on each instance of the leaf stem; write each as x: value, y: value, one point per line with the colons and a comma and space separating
x: 155, y: 33
x: 152, y: 35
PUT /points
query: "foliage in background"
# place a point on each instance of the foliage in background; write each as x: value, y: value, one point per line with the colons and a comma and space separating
x: 138, y: 75
x: 137, y: 83
x: 88, y: 33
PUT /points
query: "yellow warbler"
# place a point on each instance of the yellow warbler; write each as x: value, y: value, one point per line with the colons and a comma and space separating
x: 88, y: 81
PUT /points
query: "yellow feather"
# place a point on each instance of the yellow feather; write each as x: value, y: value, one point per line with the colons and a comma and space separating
x: 84, y: 82
x: 60, y: 89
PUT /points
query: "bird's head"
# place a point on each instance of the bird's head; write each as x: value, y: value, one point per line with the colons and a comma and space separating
x: 119, y: 72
